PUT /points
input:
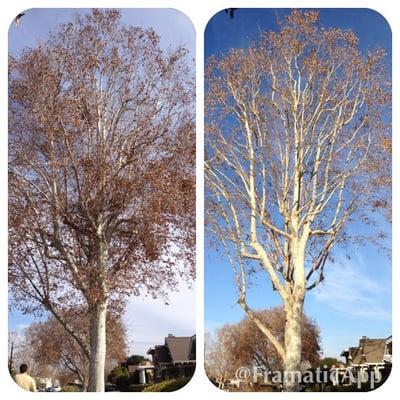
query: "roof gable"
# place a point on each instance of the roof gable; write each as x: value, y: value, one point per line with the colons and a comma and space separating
x: 370, y: 351
x: 179, y: 348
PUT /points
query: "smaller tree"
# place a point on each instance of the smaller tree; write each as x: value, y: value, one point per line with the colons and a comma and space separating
x: 219, y: 365
x: 253, y: 348
x: 54, y: 349
x: 240, y: 345
x: 135, y: 359
x: 21, y: 352
x: 328, y: 362
x: 119, y: 376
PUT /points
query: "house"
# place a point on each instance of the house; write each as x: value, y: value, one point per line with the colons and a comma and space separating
x: 369, y: 353
x: 45, y: 383
x: 42, y: 384
x: 373, y: 355
x: 387, y: 356
x: 175, y: 358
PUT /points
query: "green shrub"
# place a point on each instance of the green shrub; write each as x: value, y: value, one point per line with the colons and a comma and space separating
x: 120, y: 377
x: 167, y: 386
x: 134, y: 378
x: 328, y: 362
x: 116, y: 373
x: 122, y: 383
x: 139, y: 387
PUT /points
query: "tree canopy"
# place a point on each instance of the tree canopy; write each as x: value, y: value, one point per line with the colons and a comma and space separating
x: 101, y: 170
x: 297, y: 142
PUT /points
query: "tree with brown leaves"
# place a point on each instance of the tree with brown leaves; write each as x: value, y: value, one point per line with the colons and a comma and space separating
x: 292, y: 124
x: 101, y: 174
x: 54, y: 348
x: 243, y: 346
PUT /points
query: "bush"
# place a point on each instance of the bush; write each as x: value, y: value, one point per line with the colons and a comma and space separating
x: 122, y: 383
x: 70, y: 388
x: 139, y: 387
x: 134, y: 378
x: 328, y: 362
x: 167, y: 386
x: 120, y: 377
x: 117, y: 373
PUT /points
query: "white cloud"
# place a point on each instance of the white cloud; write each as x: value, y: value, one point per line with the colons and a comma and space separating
x: 148, y: 321
x: 20, y: 328
x: 350, y: 290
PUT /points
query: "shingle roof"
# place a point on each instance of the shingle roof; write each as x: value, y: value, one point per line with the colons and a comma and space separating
x: 179, y: 348
x: 370, y: 351
x: 161, y: 354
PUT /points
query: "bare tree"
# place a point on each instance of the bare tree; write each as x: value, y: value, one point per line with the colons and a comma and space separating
x: 101, y: 173
x: 23, y: 353
x: 218, y: 362
x: 292, y: 124
x: 12, y: 344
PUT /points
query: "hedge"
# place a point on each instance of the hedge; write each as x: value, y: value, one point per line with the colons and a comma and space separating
x: 167, y: 386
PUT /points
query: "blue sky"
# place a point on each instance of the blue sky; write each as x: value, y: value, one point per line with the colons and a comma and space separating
x: 223, y: 32
x: 147, y: 321
x: 355, y: 299
x: 173, y: 26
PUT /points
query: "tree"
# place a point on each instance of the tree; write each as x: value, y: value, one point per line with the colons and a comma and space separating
x: 219, y: 363
x: 119, y: 376
x: 101, y: 173
x: 23, y: 353
x: 242, y: 346
x: 12, y: 339
x: 329, y: 362
x: 54, y: 348
x: 252, y: 348
x: 292, y: 124
x: 135, y: 359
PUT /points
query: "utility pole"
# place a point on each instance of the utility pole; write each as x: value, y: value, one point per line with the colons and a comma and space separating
x: 10, y: 361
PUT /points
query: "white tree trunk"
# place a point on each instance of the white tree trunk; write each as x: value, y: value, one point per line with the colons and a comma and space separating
x: 97, y: 347
x: 293, y: 347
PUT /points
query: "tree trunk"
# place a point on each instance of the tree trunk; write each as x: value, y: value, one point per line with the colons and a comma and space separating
x: 97, y: 347
x: 292, y: 360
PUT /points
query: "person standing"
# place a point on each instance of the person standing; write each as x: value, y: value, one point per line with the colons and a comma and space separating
x: 24, y: 380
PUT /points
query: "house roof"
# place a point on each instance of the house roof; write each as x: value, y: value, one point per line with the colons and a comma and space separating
x: 179, y: 347
x: 161, y: 353
x: 369, y: 351
x: 349, y: 352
